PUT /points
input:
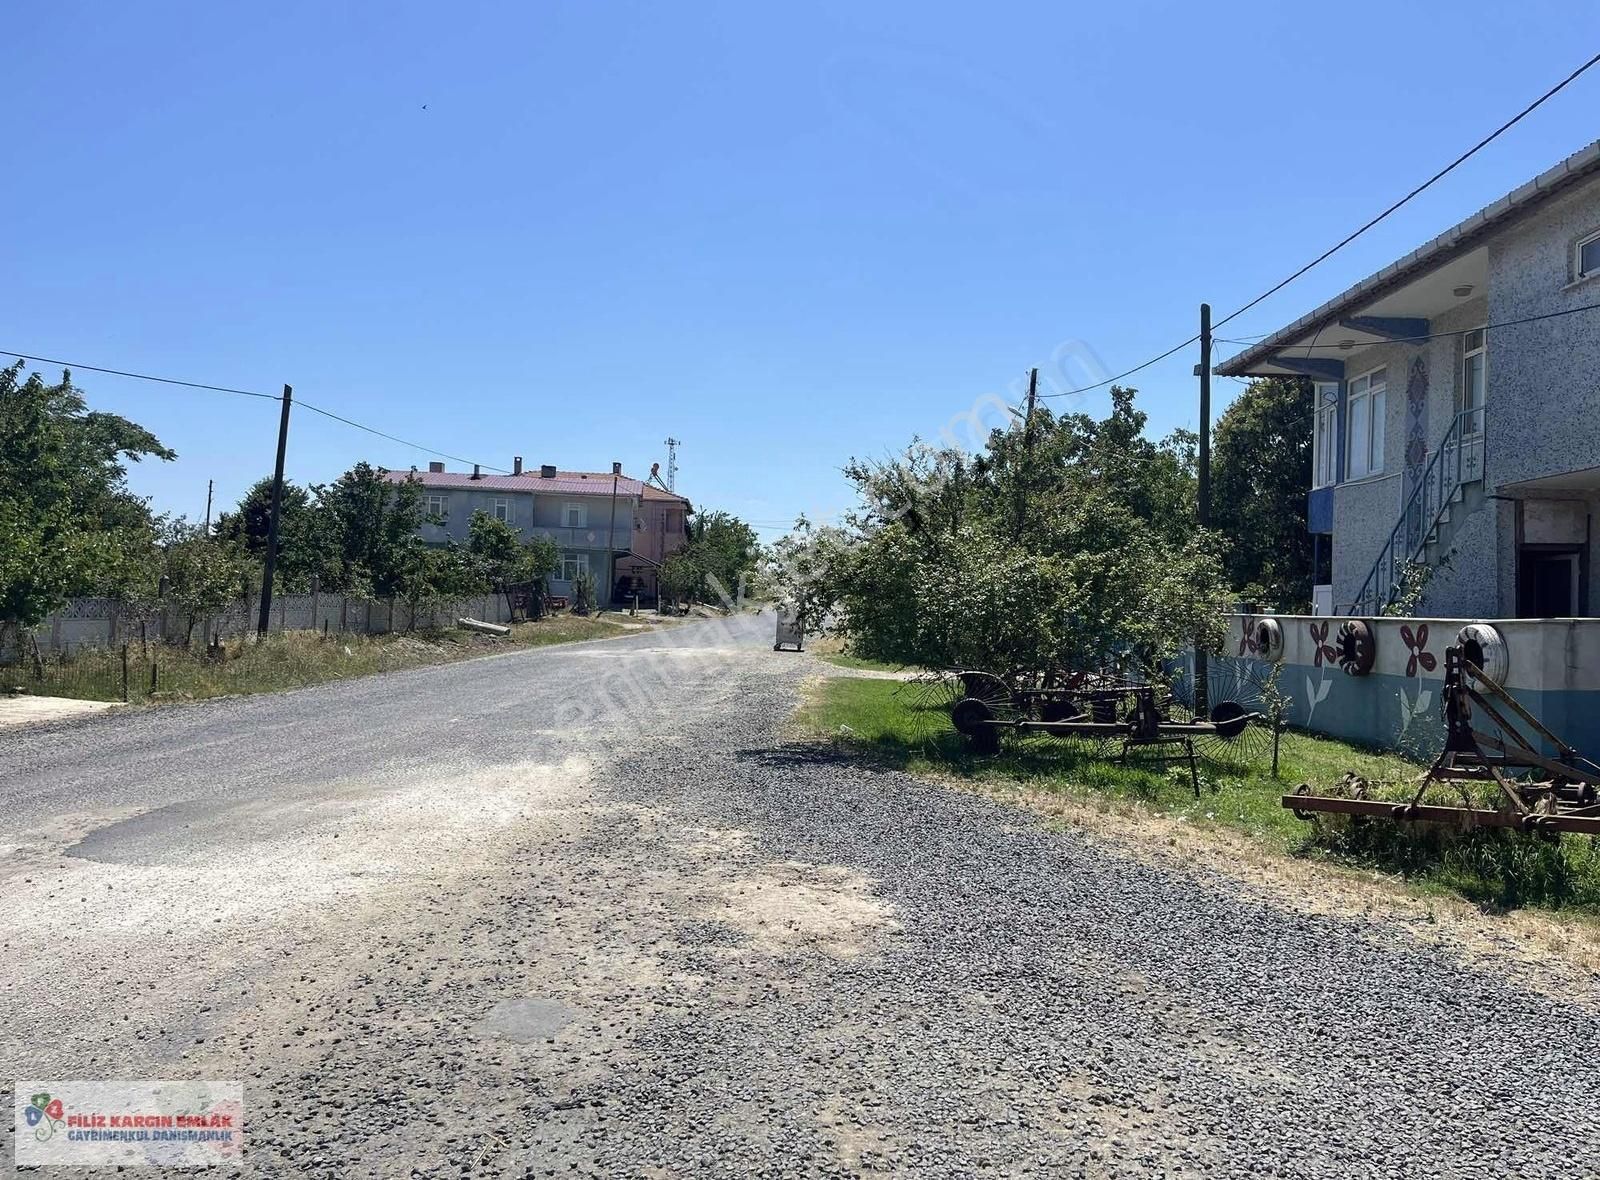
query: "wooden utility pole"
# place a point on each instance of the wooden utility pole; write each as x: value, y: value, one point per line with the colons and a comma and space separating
x: 1203, y: 508
x: 264, y: 620
x: 1025, y: 475
x: 210, y: 485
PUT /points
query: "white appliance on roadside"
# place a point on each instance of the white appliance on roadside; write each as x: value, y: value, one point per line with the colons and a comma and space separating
x: 791, y: 632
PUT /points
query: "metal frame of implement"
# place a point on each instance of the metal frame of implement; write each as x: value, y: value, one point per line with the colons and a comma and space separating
x: 1091, y: 711
x: 1566, y: 801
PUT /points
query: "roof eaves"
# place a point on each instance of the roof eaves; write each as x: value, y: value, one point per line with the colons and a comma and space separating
x: 1455, y: 239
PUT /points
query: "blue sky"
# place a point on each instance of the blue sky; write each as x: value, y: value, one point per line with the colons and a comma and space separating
x: 783, y: 236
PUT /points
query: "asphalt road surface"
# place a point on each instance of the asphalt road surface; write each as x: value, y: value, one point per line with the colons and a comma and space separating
x: 585, y: 911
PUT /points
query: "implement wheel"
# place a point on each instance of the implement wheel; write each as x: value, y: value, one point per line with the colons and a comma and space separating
x: 973, y: 718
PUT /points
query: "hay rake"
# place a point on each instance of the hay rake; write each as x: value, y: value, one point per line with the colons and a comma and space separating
x: 1104, y: 712
x: 1537, y: 792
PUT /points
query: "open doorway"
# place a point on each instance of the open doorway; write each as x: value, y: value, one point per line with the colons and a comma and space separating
x: 1551, y: 580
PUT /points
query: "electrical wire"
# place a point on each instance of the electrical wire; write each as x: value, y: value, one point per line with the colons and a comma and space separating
x: 1350, y: 237
x: 44, y: 360
x: 315, y: 409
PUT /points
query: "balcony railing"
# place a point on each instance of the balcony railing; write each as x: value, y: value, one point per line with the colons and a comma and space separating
x: 587, y: 538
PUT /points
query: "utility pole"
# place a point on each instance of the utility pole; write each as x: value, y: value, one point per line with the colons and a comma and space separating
x: 672, y: 463
x: 611, y: 538
x: 265, y: 618
x: 210, y: 483
x: 1203, y: 508
x: 1025, y: 475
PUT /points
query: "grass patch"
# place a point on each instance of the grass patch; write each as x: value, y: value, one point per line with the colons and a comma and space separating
x: 295, y: 659
x: 832, y: 650
x: 897, y: 724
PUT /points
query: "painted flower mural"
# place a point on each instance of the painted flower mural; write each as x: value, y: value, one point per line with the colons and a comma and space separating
x: 1323, y: 651
x: 1416, y: 645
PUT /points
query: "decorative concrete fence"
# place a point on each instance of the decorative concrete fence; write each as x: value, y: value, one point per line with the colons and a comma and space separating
x: 104, y: 622
x: 1377, y: 681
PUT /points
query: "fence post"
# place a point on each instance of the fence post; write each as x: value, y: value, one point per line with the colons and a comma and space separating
x: 153, y: 669
x: 124, y: 673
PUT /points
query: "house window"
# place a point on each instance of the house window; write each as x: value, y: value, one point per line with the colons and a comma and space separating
x: 433, y: 508
x: 1367, y: 409
x: 574, y: 516
x: 501, y: 510
x: 1473, y: 381
x: 1586, y: 257
x: 1325, y: 435
x: 572, y: 565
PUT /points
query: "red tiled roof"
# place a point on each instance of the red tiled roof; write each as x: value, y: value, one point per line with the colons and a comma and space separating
x: 566, y: 483
x: 651, y: 492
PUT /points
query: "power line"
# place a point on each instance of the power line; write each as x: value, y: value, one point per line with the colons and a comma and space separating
x: 395, y: 438
x: 44, y: 360
x: 1348, y: 238
x: 315, y: 409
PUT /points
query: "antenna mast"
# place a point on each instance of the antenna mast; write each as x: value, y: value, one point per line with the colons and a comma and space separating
x: 672, y: 463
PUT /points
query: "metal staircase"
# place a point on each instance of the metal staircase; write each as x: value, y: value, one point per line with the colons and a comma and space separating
x: 1449, y: 490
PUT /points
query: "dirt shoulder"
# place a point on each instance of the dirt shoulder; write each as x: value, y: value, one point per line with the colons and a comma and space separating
x: 22, y: 709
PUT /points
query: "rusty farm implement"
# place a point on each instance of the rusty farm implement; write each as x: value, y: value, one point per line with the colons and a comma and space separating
x: 1538, y: 783
x: 1102, y: 713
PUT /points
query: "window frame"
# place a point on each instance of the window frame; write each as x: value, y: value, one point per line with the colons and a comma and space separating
x: 500, y: 509
x: 439, y: 498
x: 1578, y: 273
x: 1324, y: 434
x: 567, y: 510
x: 1473, y: 415
x: 580, y: 562
x: 1375, y: 426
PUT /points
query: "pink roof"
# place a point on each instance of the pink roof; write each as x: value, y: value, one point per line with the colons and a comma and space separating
x: 565, y: 483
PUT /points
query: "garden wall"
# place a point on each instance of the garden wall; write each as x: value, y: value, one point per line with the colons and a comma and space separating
x: 1552, y: 667
x: 103, y: 622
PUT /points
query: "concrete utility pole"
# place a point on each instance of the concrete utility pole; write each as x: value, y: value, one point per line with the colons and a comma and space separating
x: 264, y: 620
x: 1025, y: 475
x: 1202, y: 693
x: 1205, y: 416
x: 611, y: 538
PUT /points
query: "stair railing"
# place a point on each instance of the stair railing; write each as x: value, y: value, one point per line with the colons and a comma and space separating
x: 1456, y: 461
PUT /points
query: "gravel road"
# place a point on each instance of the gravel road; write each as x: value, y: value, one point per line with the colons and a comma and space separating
x: 585, y: 911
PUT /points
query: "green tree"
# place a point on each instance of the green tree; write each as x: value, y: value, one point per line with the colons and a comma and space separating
x: 65, y: 509
x: 201, y: 574
x: 503, y: 557
x: 721, y: 549
x: 1070, y: 545
x: 372, y: 531
x: 307, y: 546
x: 429, y: 575
x: 679, y: 579
x: 1261, y: 475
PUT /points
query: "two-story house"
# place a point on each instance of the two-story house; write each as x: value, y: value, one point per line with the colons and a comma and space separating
x: 609, y: 525
x: 1456, y: 421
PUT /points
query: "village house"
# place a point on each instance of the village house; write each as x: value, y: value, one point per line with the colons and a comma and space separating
x: 609, y: 525
x: 1456, y: 423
